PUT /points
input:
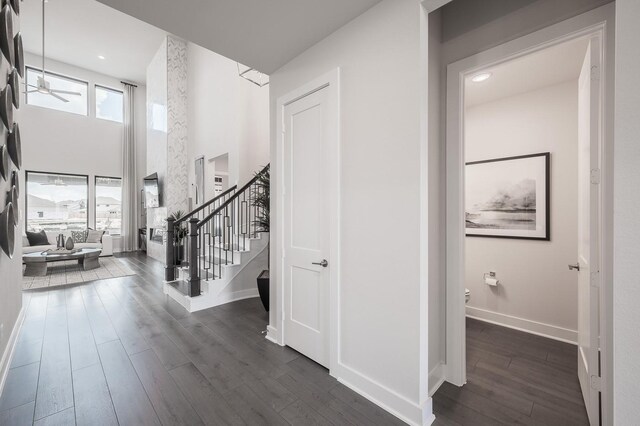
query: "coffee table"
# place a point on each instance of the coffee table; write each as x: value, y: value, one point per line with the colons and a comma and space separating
x: 36, y: 263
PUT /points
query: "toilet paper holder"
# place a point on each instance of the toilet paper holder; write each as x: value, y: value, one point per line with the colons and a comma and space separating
x: 490, y: 279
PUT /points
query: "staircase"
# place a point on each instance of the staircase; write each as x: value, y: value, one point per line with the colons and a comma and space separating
x: 215, y: 252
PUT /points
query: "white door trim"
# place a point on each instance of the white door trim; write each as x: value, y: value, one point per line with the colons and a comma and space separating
x: 598, y: 22
x: 330, y: 81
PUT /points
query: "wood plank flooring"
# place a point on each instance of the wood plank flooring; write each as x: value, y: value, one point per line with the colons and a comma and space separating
x: 513, y: 378
x: 117, y: 351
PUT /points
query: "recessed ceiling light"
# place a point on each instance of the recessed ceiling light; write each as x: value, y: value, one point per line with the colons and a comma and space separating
x: 100, y: 57
x: 479, y: 78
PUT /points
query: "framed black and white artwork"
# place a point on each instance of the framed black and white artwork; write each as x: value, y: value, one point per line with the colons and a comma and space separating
x: 508, y: 197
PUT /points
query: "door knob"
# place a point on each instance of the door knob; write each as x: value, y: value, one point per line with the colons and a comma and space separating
x: 575, y: 267
x: 324, y: 263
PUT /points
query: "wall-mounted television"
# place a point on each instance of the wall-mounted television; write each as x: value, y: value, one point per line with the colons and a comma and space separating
x: 152, y: 191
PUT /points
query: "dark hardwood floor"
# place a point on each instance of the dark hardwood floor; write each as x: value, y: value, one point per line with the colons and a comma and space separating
x: 118, y: 352
x: 513, y: 378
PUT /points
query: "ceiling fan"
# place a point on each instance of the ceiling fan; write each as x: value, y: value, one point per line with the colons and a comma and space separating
x: 43, y: 85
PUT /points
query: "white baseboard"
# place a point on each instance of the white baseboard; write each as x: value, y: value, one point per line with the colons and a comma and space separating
x: 7, y: 355
x: 436, y: 378
x: 540, y: 329
x: 272, y: 335
x: 396, y: 404
x: 236, y: 295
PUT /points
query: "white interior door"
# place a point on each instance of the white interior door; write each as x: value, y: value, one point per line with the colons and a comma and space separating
x: 306, y: 226
x: 589, y: 229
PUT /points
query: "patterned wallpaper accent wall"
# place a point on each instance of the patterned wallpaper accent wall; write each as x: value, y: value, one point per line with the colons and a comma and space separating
x: 167, y: 133
x: 176, y: 188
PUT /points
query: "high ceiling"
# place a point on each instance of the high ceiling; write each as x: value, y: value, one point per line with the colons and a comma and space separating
x: 550, y: 66
x: 264, y: 34
x: 79, y: 31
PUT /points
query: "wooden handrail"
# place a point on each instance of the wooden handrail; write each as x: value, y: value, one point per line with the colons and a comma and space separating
x: 208, y: 203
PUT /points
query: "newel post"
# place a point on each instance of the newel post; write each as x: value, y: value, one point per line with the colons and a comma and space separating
x: 194, y: 276
x: 169, y: 255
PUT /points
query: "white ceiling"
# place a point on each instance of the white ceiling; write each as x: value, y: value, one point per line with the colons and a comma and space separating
x: 265, y: 34
x: 77, y: 31
x: 550, y: 66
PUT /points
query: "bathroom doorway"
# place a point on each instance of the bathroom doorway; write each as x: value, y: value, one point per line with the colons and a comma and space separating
x: 219, y: 175
x: 527, y: 159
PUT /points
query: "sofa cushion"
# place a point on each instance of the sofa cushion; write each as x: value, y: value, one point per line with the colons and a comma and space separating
x: 79, y: 236
x: 88, y: 245
x: 38, y: 238
x: 94, y: 236
x: 37, y: 249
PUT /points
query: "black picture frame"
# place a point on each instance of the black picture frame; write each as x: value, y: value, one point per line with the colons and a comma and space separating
x: 542, y: 232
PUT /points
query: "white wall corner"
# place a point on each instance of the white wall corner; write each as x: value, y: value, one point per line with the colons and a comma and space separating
x: 7, y: 356
x: 436, y: 378
x: 432, y: 5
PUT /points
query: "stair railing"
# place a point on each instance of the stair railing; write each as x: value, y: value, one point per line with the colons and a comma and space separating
x: 178, y: 230
x: 213, y: 239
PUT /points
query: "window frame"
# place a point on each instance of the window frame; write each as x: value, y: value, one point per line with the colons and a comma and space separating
x: 26, y: 192
x: 95, y: 201
x: 95, y: 99
x: 58, y: 75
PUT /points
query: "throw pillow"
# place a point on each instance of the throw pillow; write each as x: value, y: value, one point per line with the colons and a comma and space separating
x: 79, y: 236
x: 38, y: 239
x: 94, y: 236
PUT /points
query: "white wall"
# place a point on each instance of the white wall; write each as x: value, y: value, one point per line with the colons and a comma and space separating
x: 378, y: 56
x: 226, y: 114
x: 437, y: 235
x: 626, y: 204
x: 56, y: 141
x: 535, y: 284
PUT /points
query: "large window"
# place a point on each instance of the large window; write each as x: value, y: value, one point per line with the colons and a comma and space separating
x: 109, y: 104
x: 56, y: 202
x: 109, y: 204
x: 77, y: 104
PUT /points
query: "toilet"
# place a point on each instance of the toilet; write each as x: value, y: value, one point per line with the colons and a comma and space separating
x: 467, y: 295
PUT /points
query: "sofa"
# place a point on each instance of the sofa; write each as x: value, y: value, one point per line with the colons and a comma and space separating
x: 106, y: 245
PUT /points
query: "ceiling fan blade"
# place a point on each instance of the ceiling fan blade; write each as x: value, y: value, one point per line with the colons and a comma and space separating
x: 31, y: 91
x: 58, y: 97
x: 65, y: 92
x: 31, y: 85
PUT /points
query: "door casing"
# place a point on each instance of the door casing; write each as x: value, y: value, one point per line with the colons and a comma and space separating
x: 596, y: 23
x: 331, y: 82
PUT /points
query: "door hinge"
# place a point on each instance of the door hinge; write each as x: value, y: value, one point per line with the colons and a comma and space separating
x: 595, y: 279
x: 595, y: 383
x: 595, y: 176
x: 595, y: 73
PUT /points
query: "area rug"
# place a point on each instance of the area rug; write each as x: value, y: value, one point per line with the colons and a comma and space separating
x: 69, y: 272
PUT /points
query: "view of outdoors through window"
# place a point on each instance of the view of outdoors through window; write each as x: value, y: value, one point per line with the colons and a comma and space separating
x: 109, y: 104
x: 77, y: 103
x: 109, y: 204
x: 56, y: 202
